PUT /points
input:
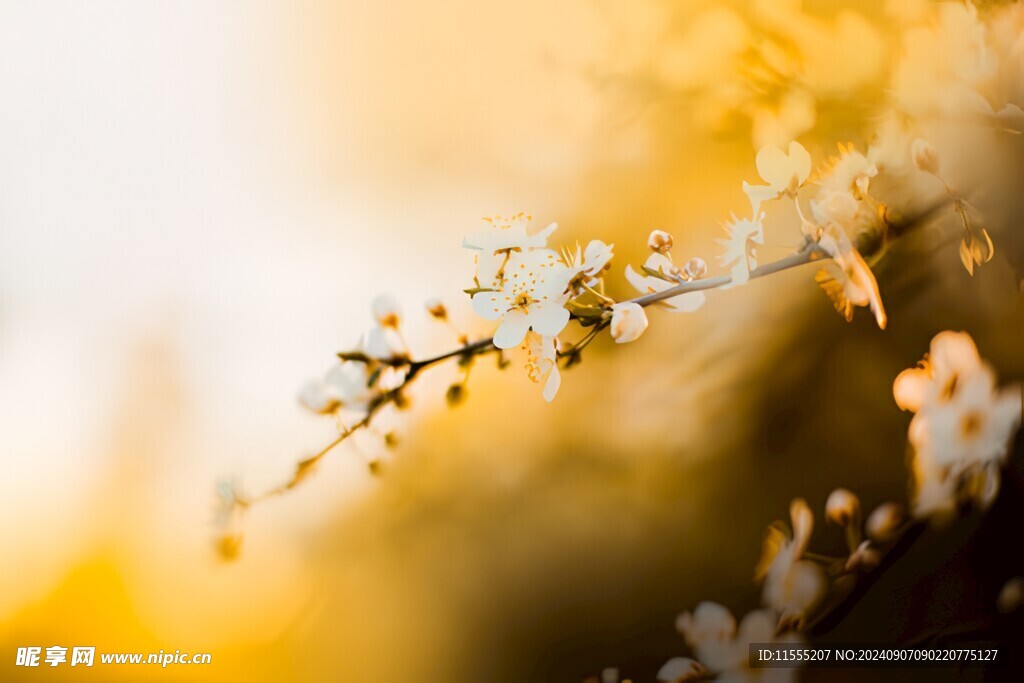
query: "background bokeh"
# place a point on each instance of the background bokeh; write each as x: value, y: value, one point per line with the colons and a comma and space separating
x: 198, y: 202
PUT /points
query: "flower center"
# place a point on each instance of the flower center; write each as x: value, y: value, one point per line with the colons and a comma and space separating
x: 971, y: 424
x: 523, y: 301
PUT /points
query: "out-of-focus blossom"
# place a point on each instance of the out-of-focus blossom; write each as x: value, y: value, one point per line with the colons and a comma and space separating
x: 846, y: 278
x: 1011, y: 597
x: 681, y: 670
x: 843, y: 508
x: 670, y: 277
x: 386, y: 311
x: 383, y: 343
x: 863, y: 558
x: 345, y: 385
x: 743, y: 238
x: 793, y: 586
x: 884, y: 522
x: 834, y: 206
x: 783, y: 173
x: 436, y: 308
x: 628, y: 322
x: 925, y: 157
x: 532, y: 296
x: 962, y: 426
x: 503, y: 236
x: 722, y: 648
x: 851, y: 171
x: 541, y: 363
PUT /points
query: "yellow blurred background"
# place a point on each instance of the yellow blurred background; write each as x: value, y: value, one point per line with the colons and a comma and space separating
x: 198, y: 202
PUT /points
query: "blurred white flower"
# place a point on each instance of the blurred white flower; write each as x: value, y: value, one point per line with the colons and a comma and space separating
x: 846, y: 278
x: 834, y: 206
x: 386, y: 311
x: 723, y: 649
x: 843, y: 508
x: 542, y: 363
x: 345, y: 385
x: 503, y: 236
x: 793, y: 586
x: 851, y: 171
x: 532, y: 295
x: 628, y: 322
x: 681, y: 670
x: 884, y: 521
x: 962, y: 426
x: 649, y: 284
x: 741, y: 246
x: 783, y: 173
x: 383, y: 343
x: 924, y: 155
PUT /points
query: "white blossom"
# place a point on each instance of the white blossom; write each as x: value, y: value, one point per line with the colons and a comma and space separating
x: 532, y: 296
x: 846, y: 278
x: 345, y: 385
x: 592, y: 261
x: 783, y: 173
x: 743, y: 238
x: 792, y: 586
x: 962, y: 426
x: 503, y: 236
x: 712, y: 634
x: 628, y: 322
x: 649, y: 284
x: 924, y: 155
x: 386, y: 311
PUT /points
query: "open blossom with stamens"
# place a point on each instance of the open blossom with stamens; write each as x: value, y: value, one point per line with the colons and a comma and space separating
x: 712, y: 634
x: 542, y: 363
x: 744, y: 236
x: 846, y: 278
x: 531, y: 296
x: 783, y: 173
x: 592, y: 261
x: 962, y: 426
x: 502, y: 236
x: 792, y: 586
x: 649, y: 284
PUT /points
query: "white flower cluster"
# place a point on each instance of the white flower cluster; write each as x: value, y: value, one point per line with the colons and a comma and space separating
x: 962, y: 425
x: 960, y: 435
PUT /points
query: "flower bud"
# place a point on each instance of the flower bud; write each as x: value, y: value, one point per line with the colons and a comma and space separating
x: 843, y: 508
x: 628, y: 322
x: 884, y: 521
x: 695, y: 269
x: 436, y: 308
x: 865, y: 557
x: 924, y: 155
x: 455, y: 395
x: 386, y: 311
x: 660, y: 241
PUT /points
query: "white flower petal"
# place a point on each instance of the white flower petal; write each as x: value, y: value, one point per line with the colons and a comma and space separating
x: 512, y: 330
x: 548, y: 318
x: 489, y: 305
